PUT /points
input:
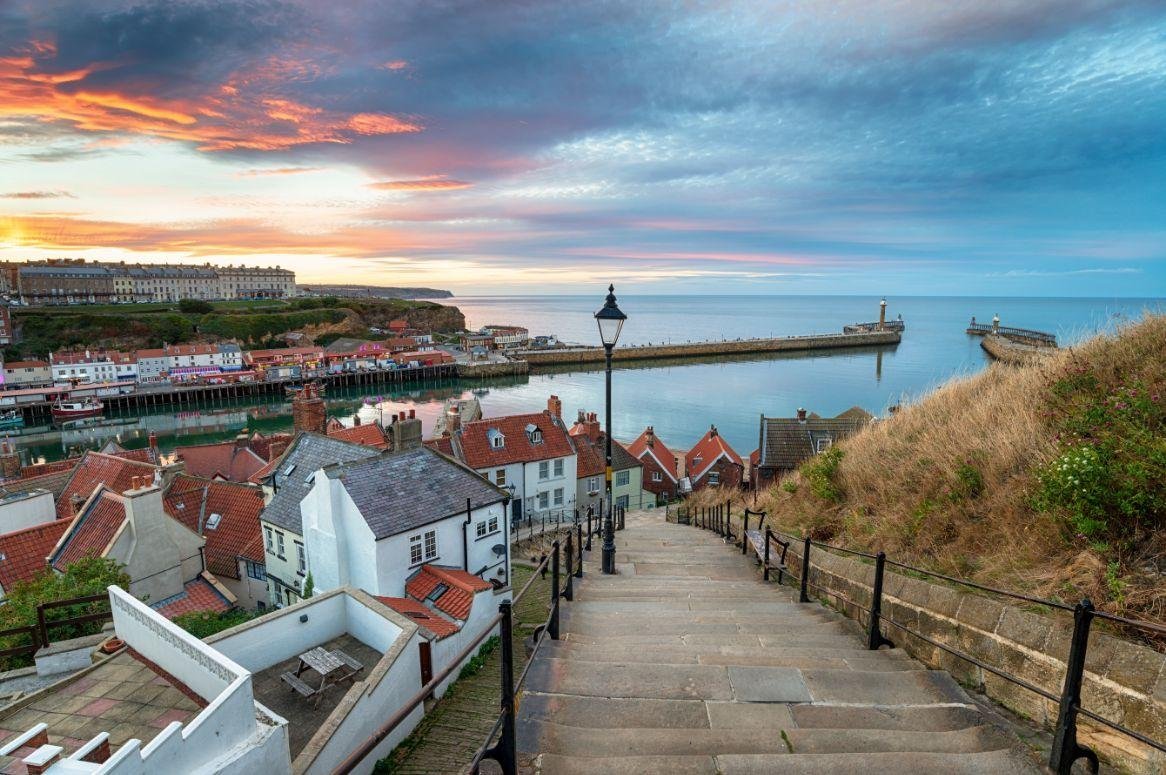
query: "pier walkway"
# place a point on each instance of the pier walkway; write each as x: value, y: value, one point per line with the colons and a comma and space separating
x: 686, y: 662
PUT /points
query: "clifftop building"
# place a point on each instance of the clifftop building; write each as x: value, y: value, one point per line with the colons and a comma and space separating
x: 69, y: 281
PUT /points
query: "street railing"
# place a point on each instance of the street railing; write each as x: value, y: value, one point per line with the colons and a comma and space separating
x: 1066, y: 748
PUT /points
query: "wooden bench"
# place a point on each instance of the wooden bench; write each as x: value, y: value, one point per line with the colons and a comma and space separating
x: 350, y: 663
x: 756, y: 541
x: 295, y: 682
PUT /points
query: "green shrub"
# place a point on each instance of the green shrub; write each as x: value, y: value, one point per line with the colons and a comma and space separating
x: 820, y: 472
x: 194, y: 307
x: 790, y: 486
x: 203, y: 624
x: 971, y: 481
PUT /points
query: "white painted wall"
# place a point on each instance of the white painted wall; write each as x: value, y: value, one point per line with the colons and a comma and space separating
x: 23, y: 511
x: 341, y: 546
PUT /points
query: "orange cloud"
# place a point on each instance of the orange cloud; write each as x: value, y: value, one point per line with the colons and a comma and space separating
x: 277, y: 171
x: 396, y: 64
x: 428, y: 183
x: 247, y: 112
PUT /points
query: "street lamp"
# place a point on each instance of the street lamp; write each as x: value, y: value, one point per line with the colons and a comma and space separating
x: 610, y: 320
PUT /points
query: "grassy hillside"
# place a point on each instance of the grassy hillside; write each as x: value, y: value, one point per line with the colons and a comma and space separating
x: 1046, y: 478
x: 253, y: 323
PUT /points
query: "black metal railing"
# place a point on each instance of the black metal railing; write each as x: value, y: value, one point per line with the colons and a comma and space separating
x: 81, y: 611
x: 1013, y: 333
x: 1066, y: 748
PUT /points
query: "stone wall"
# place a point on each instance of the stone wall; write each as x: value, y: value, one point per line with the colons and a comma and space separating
x: 492, y: 369
x: 1010, y: 351
x: 1124, y: 682
x: 577, y: 355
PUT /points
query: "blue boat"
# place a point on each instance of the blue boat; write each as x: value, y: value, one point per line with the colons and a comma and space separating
x: 13, y: 418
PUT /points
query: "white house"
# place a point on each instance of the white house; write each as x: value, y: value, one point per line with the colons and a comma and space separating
x: 531, y: 456
x: 93, y: 366
x: 372, y: 524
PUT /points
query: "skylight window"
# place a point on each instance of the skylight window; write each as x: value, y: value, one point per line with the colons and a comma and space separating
x: 437, y: 592
x: 213, y: 521
x: 288, y: 471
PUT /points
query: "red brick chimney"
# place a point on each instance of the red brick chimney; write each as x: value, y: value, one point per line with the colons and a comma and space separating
x: 356, y: 421
x: 309, y: 413
x: 9, y: 461
x: 651, y: 436
x: 153, y: 442
x: 555, y: 406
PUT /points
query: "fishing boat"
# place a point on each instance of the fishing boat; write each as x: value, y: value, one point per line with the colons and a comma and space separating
x: 13, y: 418
x: 64, y: 411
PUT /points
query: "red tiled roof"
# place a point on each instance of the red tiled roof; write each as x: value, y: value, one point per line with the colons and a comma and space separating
x: 426, y: 619
x: 25, y: 365
x: 226, y: 460
x: 368, y: 434
x: 238, y: 533
x: 658, y: 450
x: 459, y: 595
x: 755, y: 457
x: 91, y: 533
x: 478, y: 452
x: 96, y: 468
x: 711, y: 447
x: 262, y: 445
x: 444, y: 445
x: 143, y: 455
x: 264, y: 472
x: 24, y: 552
x: 590, y: 462
x: 41, y: 469
x: 197, y: 595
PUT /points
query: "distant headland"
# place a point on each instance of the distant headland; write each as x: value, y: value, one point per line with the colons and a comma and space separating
x: 376, y: 291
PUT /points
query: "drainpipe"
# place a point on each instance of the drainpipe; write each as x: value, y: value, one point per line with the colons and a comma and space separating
x: 465, y: 539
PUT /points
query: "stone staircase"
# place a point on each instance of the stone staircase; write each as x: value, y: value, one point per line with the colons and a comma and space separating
x: 686, y: 662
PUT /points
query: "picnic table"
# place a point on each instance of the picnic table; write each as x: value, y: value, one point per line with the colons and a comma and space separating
x: 333, y: 667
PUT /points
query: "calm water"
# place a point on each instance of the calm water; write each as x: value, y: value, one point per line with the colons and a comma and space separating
x: 681, y: 399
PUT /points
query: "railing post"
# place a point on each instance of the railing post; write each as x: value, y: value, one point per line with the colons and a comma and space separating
x: 553, y: 627
x: 505, y: 752
x: 42, y: 628
x: 765, y: 572
x: 579, y: 567
x: 1066, y: 749
x: 590, y: 511
x: 875, y: 637
x: 804, y: 597
x: 569, y: 592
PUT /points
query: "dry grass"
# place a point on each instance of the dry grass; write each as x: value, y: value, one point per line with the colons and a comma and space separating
x: 948, y: 483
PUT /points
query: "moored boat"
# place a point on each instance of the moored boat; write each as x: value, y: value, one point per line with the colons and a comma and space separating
x: 13, y: 418
x: 64, y: 411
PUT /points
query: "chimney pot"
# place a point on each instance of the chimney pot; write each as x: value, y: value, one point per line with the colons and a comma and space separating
x: 412, y: 414
x: 356, y: 421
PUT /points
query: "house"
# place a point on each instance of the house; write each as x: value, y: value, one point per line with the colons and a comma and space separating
x: 627, y: 473
x: 23, y: 552
x: 787, y: 442
x: 230, y: 461
x: 367, y: 434
x: 712, y: 462
x: 27, y: 374
x: 286, y: 481
x: 96, y: 468
x: 163, y: 557
x: 530, y: 455
x: 93, y: 366
x: 661, y: 477
x: 226, y: 516
x: 373, y: 523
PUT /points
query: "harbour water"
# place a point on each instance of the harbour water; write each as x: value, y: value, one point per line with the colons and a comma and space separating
x: 681, y: 399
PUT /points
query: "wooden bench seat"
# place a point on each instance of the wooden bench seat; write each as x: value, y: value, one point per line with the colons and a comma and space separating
x: 295, y: 682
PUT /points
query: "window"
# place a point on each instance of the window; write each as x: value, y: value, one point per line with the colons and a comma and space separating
x: 279, y: 545
x: 823, y: 445
x: 543, y: 500
x: 544, y: 470
x: 558, y: 468
x: 430, y: 544
x: 256, y: 571
x: 500, y: 477
x: 714, y: 477
x: 493, y: 524
x: 301, y: 559
x: 213, y: 521
x: 656, y: 476
x: 415, y: 556
x: 622, y: 478
x: 558, y: 496
x: 481, y: 529
x: 622, y: 501
x: 487, y: 527
x: 593, y: 484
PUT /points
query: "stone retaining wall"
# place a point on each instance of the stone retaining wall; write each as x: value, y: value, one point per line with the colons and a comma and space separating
x: 492, y: 369
x: 577, y: 355
x: 1124, y: 682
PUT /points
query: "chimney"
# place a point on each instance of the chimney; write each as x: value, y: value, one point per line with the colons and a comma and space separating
x: 712, y: 430
x: 453, y: 419
x: 801, y: 415
x: 242, y: 441
x: 308, y: 411
x: 356, y: 421
x: 554, y: 407
x: 275, y: 448
x: 153, y: 442
x: 75, y: 503
x: 651, y: 434
x: 9, y: 461
x: 405, y: 433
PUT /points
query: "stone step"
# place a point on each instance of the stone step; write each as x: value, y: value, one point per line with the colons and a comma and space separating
x: 555, y: 738
x: 633, y: 625
x: 839, y: 659
x: 668, y: 607
x: 805, y: 640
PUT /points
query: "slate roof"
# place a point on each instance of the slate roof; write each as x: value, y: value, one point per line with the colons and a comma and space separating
x: 426, y: 618
x: 237, y: 533
x: 657, y: 449
x: 96, y: 468
x: 92, y: 532
x: 227, y: 460
x: 54, y: 482
x: 307, y: 454
x: 477, y: 451
x: 711, y: 448
x: 400, y: 491
x: 787, y: 442
x: 23, y: 552
x: 458, y: 598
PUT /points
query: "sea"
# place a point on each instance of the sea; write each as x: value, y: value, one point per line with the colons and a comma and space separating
x: 680, y: 398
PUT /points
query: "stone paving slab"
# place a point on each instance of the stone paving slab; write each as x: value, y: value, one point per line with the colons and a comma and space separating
x: 768, y: 684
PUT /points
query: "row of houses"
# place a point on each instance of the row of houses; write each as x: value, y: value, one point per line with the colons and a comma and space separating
x: 77, y: 281
x: 180, y: 363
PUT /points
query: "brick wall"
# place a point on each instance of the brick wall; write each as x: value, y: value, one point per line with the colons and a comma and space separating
x: 1124, y: 682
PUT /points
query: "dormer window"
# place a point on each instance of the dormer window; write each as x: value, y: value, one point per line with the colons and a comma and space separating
x: 496, y: 439
x: 534, y: 434
x: 823, y: 445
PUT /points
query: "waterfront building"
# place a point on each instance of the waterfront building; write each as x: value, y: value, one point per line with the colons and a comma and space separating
x: 530, y: 455
x: 7, y: 335
x: 712, y: 462
x: 93, y: 366
x: 27, y: 374
x: 184, y: 362
x: 374, y: 523
x: 507, y: 337
x: 787, y: 442
x: 661, y: 472
x: 627, y: 473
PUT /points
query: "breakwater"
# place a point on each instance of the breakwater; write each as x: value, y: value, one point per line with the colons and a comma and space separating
x: 491, y: 369
x: 1015, y: 352
x: 585, y: 355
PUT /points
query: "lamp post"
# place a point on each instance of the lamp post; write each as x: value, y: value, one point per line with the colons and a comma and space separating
x: 610, y: 320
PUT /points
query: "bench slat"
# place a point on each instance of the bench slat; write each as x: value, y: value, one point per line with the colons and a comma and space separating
x: 292, y: 680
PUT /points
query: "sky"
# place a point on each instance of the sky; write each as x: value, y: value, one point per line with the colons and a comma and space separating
x: 1003, y: 147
